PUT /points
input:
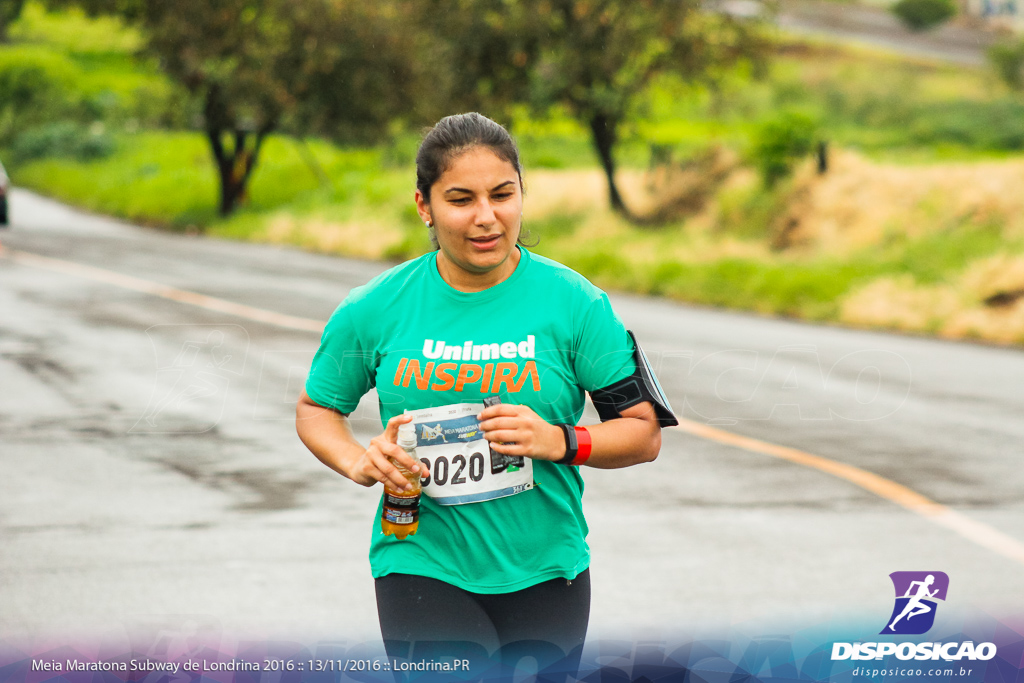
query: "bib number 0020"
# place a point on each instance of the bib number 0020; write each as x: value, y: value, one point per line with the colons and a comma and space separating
x: 439, y: 470
x: 459, y: 465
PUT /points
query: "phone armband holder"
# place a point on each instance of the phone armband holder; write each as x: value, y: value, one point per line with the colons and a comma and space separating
x: 638, y: 387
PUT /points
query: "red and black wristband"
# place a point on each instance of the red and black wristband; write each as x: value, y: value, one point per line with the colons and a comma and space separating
x: 577, y: 445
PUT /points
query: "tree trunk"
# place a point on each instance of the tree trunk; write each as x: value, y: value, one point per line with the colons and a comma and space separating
x: 603, y: 129
x: 225, y: 161
x: 235, y: 166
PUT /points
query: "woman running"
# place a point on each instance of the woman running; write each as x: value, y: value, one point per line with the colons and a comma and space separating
x: 481, y: 316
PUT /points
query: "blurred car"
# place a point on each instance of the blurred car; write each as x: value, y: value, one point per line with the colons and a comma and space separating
x: 5, y: 186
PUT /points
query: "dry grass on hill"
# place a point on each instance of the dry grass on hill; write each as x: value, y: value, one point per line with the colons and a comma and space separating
x: 859, y: 202
x: 861, y: 205
x: 985, y: 302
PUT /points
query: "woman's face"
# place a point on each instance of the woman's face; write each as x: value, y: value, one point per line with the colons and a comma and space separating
x: 476, y: 209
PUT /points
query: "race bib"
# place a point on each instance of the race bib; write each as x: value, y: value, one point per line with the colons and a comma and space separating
x: 461, y: 468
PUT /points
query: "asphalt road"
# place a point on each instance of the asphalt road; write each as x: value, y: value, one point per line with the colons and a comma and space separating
x: 149, y: 468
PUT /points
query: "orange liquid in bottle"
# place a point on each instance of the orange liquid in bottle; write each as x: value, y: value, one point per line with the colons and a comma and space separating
x: 401, y: 513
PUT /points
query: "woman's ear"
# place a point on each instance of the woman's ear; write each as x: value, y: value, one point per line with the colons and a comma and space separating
x: 423, y: 209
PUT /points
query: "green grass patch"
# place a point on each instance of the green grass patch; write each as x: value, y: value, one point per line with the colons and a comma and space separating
x: 154, y: 178
x: 808, y: 290
x: 936, y: 257
x: 169, y: 179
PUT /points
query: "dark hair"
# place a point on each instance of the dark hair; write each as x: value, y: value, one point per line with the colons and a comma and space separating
x: 454, y: 135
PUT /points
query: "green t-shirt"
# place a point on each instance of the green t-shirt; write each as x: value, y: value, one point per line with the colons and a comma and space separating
x: 539, y: 339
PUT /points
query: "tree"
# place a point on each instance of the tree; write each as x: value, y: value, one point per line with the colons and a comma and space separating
x: 592, y: 56
x: 921, y: 15
x: 259, y: 66
x: 479, y: 53
x: 365, y: 77
x: 228, y: 54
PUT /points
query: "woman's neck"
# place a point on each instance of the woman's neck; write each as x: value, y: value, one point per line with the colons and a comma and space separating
x: 468, y: 281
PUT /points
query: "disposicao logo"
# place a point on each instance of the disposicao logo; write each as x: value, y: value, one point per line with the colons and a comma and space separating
x: 916, y: 596
x: 913, y: 613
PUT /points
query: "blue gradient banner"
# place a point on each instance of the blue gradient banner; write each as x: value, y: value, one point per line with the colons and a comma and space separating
x: 983, y: 650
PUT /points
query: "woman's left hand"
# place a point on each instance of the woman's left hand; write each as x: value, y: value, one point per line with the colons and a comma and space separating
x: 517, y: 430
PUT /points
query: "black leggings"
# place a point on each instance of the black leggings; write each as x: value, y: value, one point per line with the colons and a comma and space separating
x: 547, y: 621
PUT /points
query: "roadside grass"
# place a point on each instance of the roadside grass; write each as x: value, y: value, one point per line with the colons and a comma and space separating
x: 154, y: 178
x: 167, y: 179
x: 747, y: 275
x: 943, y: 255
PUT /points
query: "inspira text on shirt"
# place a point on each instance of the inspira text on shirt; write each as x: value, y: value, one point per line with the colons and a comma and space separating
x: 438, y: 371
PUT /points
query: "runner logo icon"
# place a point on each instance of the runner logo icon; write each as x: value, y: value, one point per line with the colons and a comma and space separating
x: 916, y: 596
x: 436, y: 432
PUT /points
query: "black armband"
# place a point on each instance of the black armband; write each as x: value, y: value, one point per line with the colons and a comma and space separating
x: 641, y: 386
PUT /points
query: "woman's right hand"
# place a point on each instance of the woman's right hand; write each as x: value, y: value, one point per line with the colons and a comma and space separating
x: 374, y: 465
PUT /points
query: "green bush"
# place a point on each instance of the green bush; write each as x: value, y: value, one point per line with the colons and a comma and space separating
x: 36, y: 86
x: 779, y: 142
x: 71, y: 29
x: 1007, y: 59
x: 39, y: 84
x: 64, y: 139
x: 920, y: 15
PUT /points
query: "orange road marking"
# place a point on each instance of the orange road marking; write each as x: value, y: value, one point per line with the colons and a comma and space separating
x: 976, y: 532
x: 172, y: 293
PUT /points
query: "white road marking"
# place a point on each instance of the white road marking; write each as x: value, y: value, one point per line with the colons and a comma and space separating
x: 156, y: 289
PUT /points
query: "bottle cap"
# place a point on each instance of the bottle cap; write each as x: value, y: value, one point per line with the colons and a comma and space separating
x: 407, y: 435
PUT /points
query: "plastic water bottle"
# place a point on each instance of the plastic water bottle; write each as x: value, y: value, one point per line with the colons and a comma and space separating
x: 401, y: 513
